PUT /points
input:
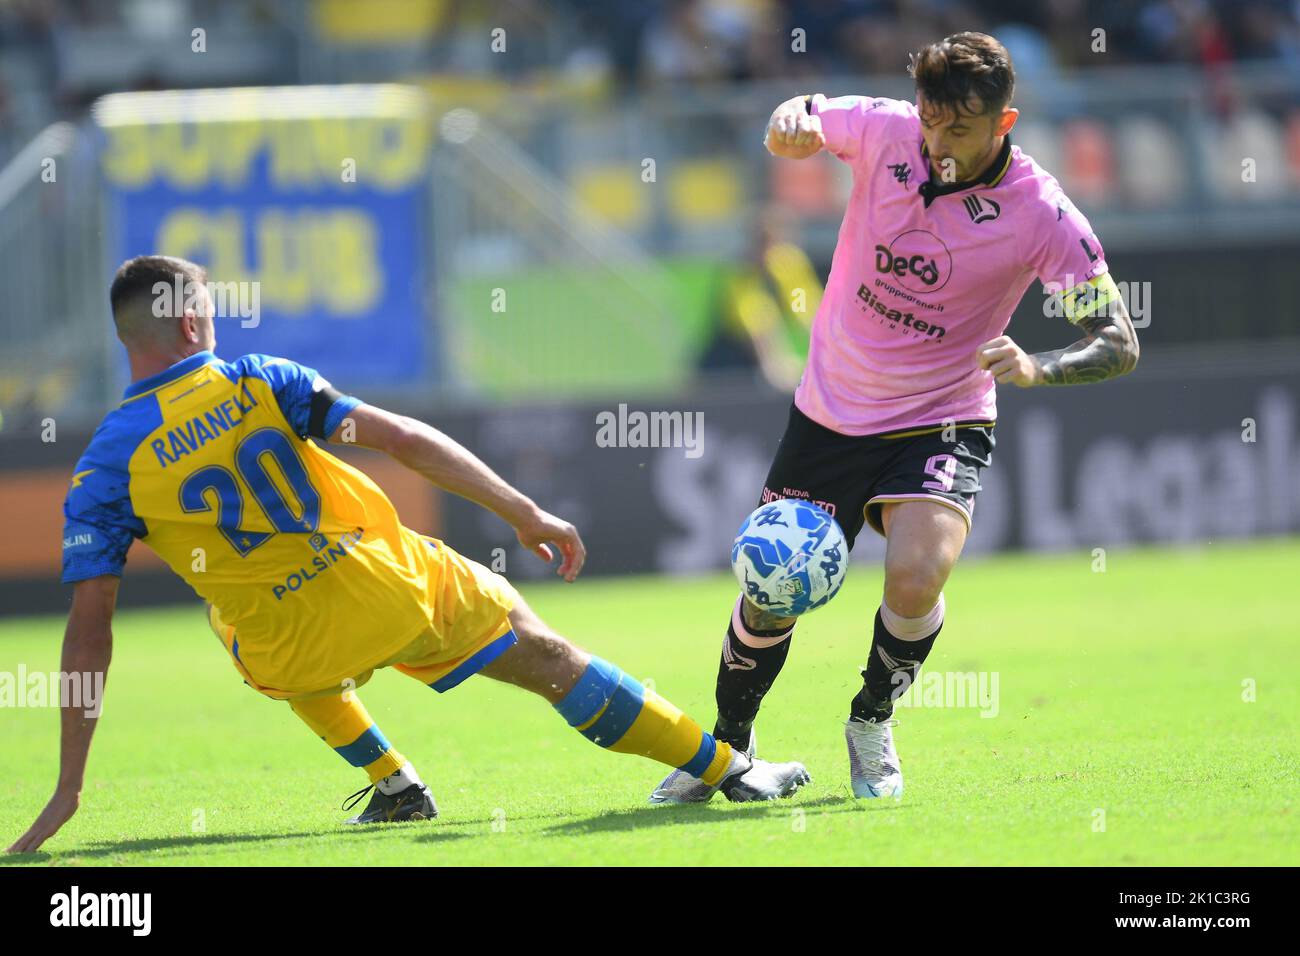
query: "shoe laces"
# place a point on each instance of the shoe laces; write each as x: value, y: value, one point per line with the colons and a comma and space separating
x: 875, y: 760
x: 355, y: 798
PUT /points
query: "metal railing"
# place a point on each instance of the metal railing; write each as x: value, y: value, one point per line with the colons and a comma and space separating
x: 54, y: 335
x: 533, y: 286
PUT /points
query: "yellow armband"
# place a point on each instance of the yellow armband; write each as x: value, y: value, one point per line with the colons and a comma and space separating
x: 1097, y: 295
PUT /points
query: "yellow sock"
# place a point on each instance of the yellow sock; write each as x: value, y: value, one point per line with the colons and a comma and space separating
x: 344, y: 724
x: 612, y: 709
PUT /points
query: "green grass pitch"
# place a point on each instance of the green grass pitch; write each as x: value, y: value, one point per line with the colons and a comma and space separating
x: 1122, y: 734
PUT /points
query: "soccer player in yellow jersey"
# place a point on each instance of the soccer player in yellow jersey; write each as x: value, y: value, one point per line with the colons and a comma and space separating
x: 311, y: 579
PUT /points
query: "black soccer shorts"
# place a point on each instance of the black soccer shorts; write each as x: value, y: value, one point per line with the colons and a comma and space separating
x: 851, y: 476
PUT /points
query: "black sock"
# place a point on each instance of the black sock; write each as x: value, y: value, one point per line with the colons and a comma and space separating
x: 744, y: 676
x: 888, y: 675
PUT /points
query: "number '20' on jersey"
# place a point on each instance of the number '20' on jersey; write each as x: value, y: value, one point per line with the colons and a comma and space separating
x: 211, y: 463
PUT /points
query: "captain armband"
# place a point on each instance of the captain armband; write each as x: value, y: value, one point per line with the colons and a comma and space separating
x: 1097, y: 296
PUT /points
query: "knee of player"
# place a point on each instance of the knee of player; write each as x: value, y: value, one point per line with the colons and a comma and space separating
x: 548, y: 648
x: 913, y: 589
x: 759, y: 621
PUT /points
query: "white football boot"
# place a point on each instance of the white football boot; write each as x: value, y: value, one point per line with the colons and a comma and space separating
x: 873, y: 761
x: 680, y: 787
x: 749, y: 779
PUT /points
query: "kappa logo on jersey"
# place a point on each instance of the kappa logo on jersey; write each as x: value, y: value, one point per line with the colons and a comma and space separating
x: 902, y: 172
x: 918, y: 259
x: 981, y: 210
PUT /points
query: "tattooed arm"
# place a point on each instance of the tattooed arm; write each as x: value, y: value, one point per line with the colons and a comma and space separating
x: 1110, y: 348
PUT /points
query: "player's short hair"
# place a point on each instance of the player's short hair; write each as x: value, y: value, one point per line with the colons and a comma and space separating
x: 963, y: 68
x: 136, y: 281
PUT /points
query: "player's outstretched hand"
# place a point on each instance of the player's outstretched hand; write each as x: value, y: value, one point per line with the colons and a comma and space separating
x: 538, y: 529
x: 793, y: 133
x: 56, y: 813
x: 1009, y: 363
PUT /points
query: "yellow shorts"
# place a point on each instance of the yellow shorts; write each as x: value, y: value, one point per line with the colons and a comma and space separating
x: 470, y: 629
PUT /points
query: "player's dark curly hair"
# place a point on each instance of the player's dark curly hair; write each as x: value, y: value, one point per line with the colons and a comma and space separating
x: 968, y: 73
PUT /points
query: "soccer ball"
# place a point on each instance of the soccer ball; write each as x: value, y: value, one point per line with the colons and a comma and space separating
x: 790, y: 557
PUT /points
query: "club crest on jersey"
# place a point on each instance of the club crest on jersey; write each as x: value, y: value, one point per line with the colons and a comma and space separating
x: 981, y: 210
x: 902, y: 172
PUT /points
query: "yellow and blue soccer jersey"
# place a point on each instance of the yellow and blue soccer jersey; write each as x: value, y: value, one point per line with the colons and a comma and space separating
x: 302, y: 556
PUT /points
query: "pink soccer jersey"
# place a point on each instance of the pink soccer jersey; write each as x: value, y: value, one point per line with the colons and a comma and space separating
x: 924, y: 274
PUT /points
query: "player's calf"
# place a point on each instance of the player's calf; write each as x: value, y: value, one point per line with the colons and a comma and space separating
x: 754, y: 651
x: 542, y: 661
x: 924, y: 541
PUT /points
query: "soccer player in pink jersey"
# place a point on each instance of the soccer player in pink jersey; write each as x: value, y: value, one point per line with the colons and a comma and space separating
x: 947, y: 226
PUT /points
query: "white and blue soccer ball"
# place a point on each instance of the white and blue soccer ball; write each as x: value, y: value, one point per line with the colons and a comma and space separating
x: 790, y: 557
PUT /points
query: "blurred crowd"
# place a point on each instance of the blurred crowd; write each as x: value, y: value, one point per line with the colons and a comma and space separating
x: 714, y: 39
x: 57, y: 56
x: 646, y: 42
